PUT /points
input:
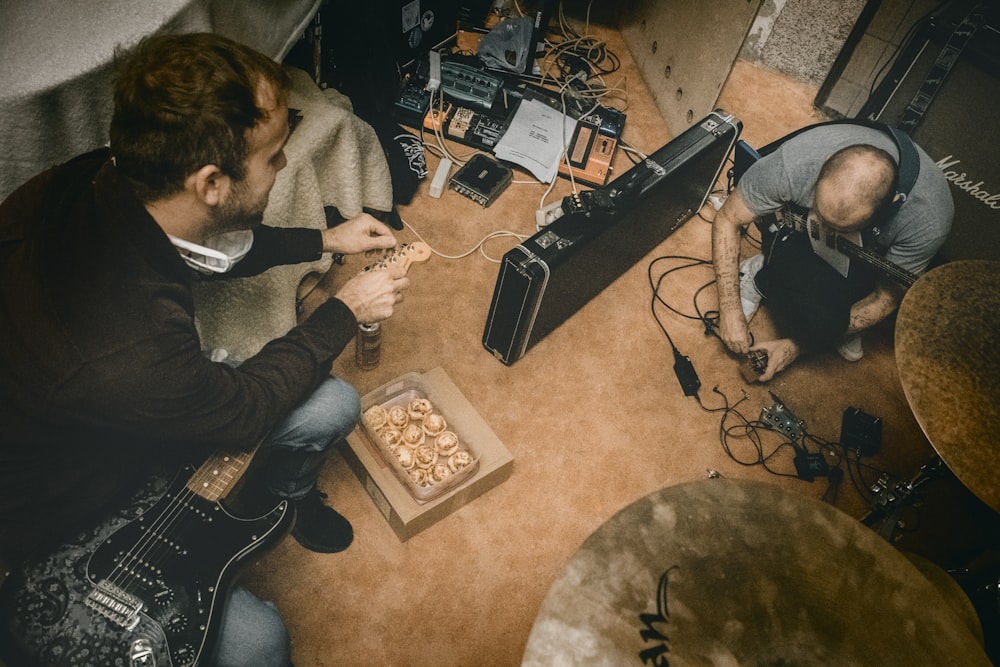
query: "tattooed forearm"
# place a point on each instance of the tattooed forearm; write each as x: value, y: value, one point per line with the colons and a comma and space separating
x: 874, y: 308
x: 726, y: 250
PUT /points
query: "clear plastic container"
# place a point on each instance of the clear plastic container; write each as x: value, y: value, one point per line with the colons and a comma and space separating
x: 423, y: 487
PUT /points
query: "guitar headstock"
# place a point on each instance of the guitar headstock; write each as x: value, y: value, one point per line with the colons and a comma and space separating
x: 402, y: 255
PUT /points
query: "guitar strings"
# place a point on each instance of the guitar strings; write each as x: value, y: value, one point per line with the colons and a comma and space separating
x: 167, y: 523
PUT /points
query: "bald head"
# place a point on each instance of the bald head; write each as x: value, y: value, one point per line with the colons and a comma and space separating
x: 853, y: 184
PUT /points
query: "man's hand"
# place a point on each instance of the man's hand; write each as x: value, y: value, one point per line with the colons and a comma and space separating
x: 734, y: 331
x: 372, y: 296
x: 780, y: 355
x: 358, y: 235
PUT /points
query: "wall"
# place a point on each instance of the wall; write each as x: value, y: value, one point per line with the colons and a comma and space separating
x: 800, y: 38
x: 686, y: 48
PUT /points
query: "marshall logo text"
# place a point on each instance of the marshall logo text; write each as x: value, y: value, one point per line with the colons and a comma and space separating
x: 964, y: 182
x: 656, y: 655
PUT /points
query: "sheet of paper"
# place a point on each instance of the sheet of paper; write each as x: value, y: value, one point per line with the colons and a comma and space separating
x: 536, y: 139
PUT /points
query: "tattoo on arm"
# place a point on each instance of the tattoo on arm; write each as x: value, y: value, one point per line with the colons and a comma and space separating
x: 874, y: 308
x: 726, y: 250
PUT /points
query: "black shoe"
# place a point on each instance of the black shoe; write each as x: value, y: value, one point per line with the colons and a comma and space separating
x: 320, y: 528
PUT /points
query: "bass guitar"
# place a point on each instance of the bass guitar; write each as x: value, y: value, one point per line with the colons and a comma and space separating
x: 838, y: 249
x: 147, y: 586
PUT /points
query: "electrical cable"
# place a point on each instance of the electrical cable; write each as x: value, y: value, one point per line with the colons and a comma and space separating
x: 480, y: 246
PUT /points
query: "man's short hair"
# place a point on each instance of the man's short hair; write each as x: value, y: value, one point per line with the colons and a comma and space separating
x: 185, y: 101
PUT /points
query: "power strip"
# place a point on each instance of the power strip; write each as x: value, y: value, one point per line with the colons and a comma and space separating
x: 440, y: 178
x: 434, y: 76
x: 548, y: 214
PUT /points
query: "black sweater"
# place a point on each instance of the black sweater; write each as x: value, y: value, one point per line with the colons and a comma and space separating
x: 102, y: 376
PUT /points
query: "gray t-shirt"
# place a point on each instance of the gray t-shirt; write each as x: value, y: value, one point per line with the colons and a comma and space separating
x: 912, y: 236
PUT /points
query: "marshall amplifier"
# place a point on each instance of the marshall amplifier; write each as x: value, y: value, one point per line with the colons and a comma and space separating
x: 547, y: 278
x: 952, y: 128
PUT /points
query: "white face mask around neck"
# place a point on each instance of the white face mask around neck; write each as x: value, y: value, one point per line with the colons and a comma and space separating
x: 219, y: 254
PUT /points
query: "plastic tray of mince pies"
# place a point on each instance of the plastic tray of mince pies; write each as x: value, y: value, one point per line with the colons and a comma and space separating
x: 416, y: 440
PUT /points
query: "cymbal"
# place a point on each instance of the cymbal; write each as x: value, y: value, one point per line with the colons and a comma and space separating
x: 725, y: 572
x: 948, y: 358
x: 952, y: 593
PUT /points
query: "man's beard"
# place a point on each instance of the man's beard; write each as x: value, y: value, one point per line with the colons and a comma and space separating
x: 241, y: 211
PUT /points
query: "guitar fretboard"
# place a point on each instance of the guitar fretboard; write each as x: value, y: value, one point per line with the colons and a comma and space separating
x: 800, y: 221
x: 215, y: 478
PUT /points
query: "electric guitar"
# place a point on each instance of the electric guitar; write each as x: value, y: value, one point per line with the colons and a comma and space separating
x: 147, y: 586
x: 839, y: 249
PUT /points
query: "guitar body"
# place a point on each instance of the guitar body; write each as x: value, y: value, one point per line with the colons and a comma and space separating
x: 145, y: 587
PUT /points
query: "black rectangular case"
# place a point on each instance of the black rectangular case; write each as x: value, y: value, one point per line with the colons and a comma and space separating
x: 547, y: 278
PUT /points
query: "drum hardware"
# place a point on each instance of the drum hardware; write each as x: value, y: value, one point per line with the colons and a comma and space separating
x: 891, y: 500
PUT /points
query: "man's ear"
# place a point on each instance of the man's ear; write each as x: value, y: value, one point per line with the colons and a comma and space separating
x: 209, y: 184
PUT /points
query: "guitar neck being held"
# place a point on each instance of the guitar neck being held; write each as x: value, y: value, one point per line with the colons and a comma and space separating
x: 404, y: 255
x: 797, y: 218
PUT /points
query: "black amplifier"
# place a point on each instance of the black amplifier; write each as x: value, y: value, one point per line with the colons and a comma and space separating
x: 604, y: 232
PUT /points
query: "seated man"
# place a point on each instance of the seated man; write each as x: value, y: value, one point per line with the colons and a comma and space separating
x: 845, y: 176
x: 103, y: 381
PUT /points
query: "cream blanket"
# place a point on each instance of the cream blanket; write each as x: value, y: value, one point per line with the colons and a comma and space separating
x: 334, y: 159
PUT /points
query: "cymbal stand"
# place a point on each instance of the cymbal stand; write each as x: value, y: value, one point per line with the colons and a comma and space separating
x: 891, y: 501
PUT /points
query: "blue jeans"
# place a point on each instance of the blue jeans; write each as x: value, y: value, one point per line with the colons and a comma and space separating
x: 252, y: 633
x: 252, y: 630
x: 296, y: 448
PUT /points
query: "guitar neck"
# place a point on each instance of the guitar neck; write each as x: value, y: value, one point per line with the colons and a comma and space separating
x: 886, y: 268
x: 800, y: 221
x: 216, y: 477
x: 401, y: 256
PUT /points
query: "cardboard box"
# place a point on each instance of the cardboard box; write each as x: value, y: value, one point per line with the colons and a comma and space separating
x: 407, y: 516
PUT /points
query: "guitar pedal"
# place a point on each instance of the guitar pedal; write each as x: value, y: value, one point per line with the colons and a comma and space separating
x: 753, y: 365
x: 781, y: 419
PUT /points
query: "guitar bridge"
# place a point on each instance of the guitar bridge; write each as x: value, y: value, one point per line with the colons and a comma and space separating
x: 120, y: 607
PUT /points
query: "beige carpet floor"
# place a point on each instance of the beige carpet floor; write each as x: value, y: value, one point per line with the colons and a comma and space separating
x: 593, y: 415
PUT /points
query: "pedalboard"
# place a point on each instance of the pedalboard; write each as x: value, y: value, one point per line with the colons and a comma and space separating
x: 479, y: 105
x: 781, y: 419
